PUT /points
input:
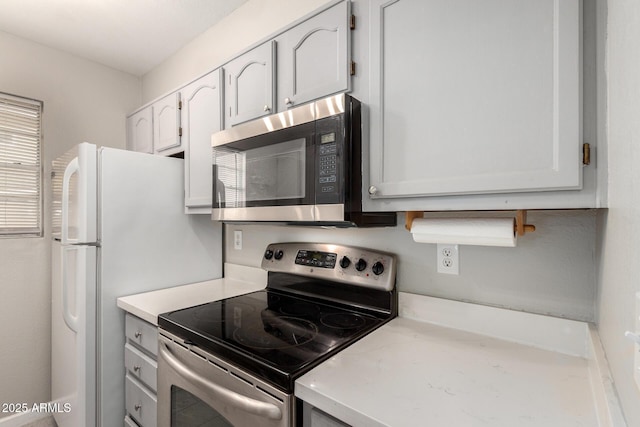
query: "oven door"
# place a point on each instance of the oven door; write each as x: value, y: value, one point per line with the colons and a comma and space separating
x: 195, y: 388
x: 266, y: 177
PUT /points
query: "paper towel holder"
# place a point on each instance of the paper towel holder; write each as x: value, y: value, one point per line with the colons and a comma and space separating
x: 520, y: 227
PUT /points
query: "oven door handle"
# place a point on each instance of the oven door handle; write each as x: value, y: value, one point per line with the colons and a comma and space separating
x: 237, y: 400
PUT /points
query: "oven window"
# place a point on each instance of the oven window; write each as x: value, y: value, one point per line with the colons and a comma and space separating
x: 274, y: 174
x: 187, y: 411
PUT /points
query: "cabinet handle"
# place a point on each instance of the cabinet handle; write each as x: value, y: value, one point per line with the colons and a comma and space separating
x: 266, y: 108
x: 138, y: 334
x: 136, y: 368
x: 373, y: 190
x: 137, y: 407
x: 288, y: 101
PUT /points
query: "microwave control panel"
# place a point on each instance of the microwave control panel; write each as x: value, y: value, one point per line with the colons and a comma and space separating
x: 329, y: 163
x: 328, y: 166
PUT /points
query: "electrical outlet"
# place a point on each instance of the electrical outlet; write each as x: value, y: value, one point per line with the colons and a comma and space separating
x: 237, y: 240
x: 447, y: 259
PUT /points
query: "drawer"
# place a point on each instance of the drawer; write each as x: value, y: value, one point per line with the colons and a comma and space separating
x: 141, y: 403
x: 141, y: 366
x: 128, y: 422
x: 142, y: 333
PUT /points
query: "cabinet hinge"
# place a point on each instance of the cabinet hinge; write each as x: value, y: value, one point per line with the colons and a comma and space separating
x: 180, y: 131
x: 586, y: 154
x: 179, y: 105
x: 352, y: 68
x: 352, y: 22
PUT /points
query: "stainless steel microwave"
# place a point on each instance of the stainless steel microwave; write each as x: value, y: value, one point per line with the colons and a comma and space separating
x: 301, y: 166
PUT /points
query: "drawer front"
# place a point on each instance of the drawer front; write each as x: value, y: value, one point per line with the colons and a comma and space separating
x: 141, y: 366
x: 141, y: 404
x: 128, y: 422
x: 142, y: 333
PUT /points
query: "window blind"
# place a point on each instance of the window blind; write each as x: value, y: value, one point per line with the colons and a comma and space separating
x: 20, y: 166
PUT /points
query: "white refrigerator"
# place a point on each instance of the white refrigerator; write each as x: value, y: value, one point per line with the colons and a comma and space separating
x: 119, y: 228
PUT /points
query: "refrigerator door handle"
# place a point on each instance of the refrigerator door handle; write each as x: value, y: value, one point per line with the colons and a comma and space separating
x: 70, y: 319
x: 72, y: 167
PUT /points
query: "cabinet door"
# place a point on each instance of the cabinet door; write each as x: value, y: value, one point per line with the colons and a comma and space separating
x: 473, y: 96
x: 202, y: 116
x: 250, y: 85
x: 314, y: 57
x: 140, y: 131
x: 166, y: 123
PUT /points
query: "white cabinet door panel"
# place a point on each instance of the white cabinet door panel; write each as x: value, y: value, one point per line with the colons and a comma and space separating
x: 140, y: 131
x: 250, y: 85
x: 475, y: 96
x: 166, y: 123
x: 314, y: 57
x: 202, y: 116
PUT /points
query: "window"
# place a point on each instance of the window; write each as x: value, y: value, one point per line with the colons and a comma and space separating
x: 20, y: 166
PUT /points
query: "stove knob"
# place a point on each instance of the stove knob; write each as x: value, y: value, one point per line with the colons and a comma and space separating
x: 377, y: 268
x: 361, y: 264
x: 268, y: 254
x: 345, y: 262
x: 279, y: 254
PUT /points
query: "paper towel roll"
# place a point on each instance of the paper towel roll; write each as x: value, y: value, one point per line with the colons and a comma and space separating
x: 465, y: 231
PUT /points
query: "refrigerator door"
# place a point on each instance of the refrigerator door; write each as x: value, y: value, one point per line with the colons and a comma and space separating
x: 147, y: 242
x: 74, y: 207
x: 73, y: 353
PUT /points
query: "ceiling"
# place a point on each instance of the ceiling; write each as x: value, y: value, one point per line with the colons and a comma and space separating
x: 129, y: 35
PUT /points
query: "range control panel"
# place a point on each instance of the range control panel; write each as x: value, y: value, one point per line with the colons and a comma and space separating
x: 347, y: 264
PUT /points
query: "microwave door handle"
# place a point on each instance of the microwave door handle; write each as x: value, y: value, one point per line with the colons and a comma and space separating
x: 229, y: 397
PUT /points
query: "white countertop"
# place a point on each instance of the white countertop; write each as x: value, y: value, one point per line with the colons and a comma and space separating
x: 514, y: 369
x: 238, y: 280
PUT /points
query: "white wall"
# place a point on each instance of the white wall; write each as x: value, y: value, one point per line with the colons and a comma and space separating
x: 551, y: 271
x: 224, y: 41
x: 83, y: 101
x: 619, y: 271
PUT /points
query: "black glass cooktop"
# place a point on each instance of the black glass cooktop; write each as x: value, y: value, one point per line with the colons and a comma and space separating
x: 272, y: 334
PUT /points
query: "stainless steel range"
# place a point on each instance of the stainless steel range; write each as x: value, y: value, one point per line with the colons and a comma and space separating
x: 234, y: 362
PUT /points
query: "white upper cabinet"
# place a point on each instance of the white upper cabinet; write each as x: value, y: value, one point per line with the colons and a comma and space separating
x: 166, y: 124
x: 314, y: 57
x: 474, y: 97
x: 201, y: 116
x: 250, y: 85
x: 140, y: 131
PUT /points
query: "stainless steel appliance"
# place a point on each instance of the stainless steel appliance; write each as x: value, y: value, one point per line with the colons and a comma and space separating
x: 234, y: 362
x: 299, y: 166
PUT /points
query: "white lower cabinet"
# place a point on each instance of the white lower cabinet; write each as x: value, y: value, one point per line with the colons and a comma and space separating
x: 143, y: 367
x: 140, y: 402
x: 140, y: 355
x: 314, y: 417
x: 128, y: 422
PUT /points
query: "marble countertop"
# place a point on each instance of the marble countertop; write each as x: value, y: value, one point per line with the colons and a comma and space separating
x: 238, y: 280
x: 446, y: 363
